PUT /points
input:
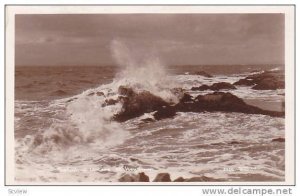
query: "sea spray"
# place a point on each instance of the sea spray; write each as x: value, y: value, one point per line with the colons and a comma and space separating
x: 87, y: 119
x: 142, y: 70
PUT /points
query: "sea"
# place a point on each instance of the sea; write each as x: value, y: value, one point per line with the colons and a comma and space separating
x: 64, y: 132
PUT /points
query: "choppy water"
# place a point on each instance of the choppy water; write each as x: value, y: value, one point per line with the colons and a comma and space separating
x: 64, y: 133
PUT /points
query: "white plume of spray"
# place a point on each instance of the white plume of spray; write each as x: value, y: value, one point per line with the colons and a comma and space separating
x: 141, y: 69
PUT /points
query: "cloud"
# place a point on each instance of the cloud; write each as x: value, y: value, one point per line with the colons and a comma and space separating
x: 177, y: 38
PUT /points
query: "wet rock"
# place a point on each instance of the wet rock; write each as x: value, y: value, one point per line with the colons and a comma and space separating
x: 162, y: 177
x: 127, y: 178
x: 97, y: 93
x: 140, y: 177
x: 179, y: 179
x: 244, y: 82
x: 203, y: 87
x: 202, y: 73
x: 165, y: 112
x: 269, y: 84
x: 280, y: 139
x: 225, y: 102
x: 70, y: 100
x: 126, y: 91
x: 234, y: 142
x: 100, y: 93
x: 215, y: 87
x: 111, y: 102
x: 136, y: 104
x: 186, y: 98
x: 146, y: 120
x: 267, y: 80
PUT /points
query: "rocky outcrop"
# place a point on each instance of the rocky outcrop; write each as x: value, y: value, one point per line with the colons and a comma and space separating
x: 136, y: 104
x: 225, y: 102
x: 214, y: 87
x: 162, y: 177
x: 269, y: 84
x: 268, y: 80
x: 244, y: 82
x: 140, y: 177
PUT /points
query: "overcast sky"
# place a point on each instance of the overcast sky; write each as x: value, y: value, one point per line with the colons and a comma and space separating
x: 175, y: 38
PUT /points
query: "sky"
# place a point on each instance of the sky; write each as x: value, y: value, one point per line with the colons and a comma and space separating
x: 176, y: 39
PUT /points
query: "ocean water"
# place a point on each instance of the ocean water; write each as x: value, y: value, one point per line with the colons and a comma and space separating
x: 64, y: 131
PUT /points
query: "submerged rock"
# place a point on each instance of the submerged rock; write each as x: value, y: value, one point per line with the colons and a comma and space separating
x: 162, y: 177
x: 280, y: 139
x: 268, y: 80
x: 215, y: 87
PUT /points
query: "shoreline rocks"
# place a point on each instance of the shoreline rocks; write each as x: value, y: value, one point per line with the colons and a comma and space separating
x: 164, y: 177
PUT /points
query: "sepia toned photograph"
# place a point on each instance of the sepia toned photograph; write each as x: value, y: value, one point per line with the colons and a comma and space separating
x: 150, y: 98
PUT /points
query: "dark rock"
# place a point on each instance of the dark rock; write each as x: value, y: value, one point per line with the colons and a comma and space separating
x: 215, y: 86
x: 140, y: 177
x: 127, y: 178
x: 126, y: 91
x: 70, y: 100
x: 244, y: 82
x: 100, y: 94
x: 165, y: 112
x: 268, y: 80
x: 202, y: 73
x: 179, y: 179
x: 234, y: 142
x: 146, y: 120
x: 179, y: 92
x: 136, y: 104
x: 186, y: 98
x: 222, y: 85
x: 225, y: 102
x: 280, y: 139
x: 201, y: 88
x: 111, y: 101
x: 162, y: 177
x: 269, y: 84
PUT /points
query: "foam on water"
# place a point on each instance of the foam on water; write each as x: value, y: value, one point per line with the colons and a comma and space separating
x: 75, y: 138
